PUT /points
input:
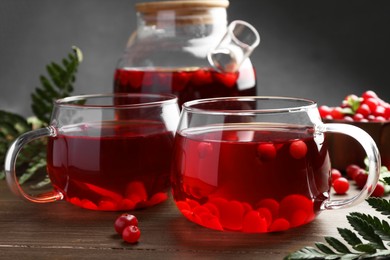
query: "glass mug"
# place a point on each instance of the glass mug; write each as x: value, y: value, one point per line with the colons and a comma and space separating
x: 105, y: 151
x: 258, y: 164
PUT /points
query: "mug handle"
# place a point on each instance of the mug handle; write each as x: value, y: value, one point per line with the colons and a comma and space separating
x: 374, y: 162
x: 10, y: 168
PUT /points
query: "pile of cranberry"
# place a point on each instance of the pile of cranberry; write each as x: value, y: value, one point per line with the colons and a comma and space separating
x: 367, y: 108
x: 359, y: 177
x: 126, y: 225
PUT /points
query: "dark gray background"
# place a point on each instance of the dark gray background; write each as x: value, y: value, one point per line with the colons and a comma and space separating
x: 322, y: 50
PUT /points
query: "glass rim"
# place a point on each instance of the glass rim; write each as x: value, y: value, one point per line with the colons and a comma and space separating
x: 306, y: 105
x: 161, y: 99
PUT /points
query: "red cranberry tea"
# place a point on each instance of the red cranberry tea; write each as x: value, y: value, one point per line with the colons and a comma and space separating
x: 187, y: 84
x: 250, y: 180
x: 112, y: 165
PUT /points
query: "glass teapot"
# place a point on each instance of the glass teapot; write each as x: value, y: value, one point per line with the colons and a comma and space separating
x: 187, y: 48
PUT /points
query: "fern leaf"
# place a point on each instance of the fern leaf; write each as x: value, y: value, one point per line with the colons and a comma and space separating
x: 48, y: 87
x: 58, y: 84
x: 336, y: 244
x: 366, y: 231
x: 324, y: 248
x: 11, y: 126
x: 349, y: 236
x: 33, y: 168
x: 387, y: 180
x: 381, y: 205
x: 365, y: 248
x: 382, y: 228
x: 310, y: 253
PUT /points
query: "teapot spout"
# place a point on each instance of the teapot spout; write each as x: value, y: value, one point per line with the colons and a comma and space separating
x: 237, y: 44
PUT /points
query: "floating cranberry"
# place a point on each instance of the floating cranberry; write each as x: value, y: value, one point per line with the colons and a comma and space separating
x: 210, y: 221
x: 341, y: 185
x: 231, y: 215
x: 227, y: 79
x: 131, y: 234
x: 298, y: 149
x: 107, y: 205
x: 123, y: 221
x: 293, y: 203
x: 270, y: 204
x: 180, y: 80
x: 88, y: 204
x: 279, y: 224
x: 254, y: 223
x: 266, y: 152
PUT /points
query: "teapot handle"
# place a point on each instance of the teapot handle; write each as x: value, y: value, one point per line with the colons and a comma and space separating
x: 235, y: 46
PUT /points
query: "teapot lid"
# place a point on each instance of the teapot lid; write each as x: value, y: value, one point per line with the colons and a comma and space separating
x: 179, y: 4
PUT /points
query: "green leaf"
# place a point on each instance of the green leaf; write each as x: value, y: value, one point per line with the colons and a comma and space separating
x: 366, y: 248
x: 33, y: 168
x: 354, y: 102
x: 387, y: 180
x: 336, y: 244
x: 349, y: 236
x: 58, y: 84
x: 379, y: 204
x: 324, y: 248
x: 382, y: 228
x: 366, y: 231
x: 309, y: 253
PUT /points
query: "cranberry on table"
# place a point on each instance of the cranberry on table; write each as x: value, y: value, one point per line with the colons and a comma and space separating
x: 379, y: 190
x: 361, y: 178
x: 341, y: 185
x: 131, y: 234
x: 335, y: 174
x: 124, y: 221
x: 352, y: 170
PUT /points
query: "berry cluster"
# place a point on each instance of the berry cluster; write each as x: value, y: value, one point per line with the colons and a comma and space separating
x: 268, y: 215
x: 367, y: 108
x: 134, y: 197
x: 126, y: 225
x: 358, y: 176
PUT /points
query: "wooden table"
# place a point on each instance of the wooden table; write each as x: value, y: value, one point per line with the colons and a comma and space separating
x: 62, y: 231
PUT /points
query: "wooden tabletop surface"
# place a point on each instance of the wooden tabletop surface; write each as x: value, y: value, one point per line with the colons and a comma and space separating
x: 62, y: 231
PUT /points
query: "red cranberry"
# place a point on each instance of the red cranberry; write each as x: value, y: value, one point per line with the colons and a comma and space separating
x: 341, y: 185
x: 369, y: 94
x: 335, y: 174
x: 352, y: 170
x: 372, y: 103
x: 337, y: 113
x: 266, y: 151
x: 124, y: 221
x: 379, y: 190
x: 364, y: 109
x: 298, y: 149
x: 131, y: 234
x: 361, y: 178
